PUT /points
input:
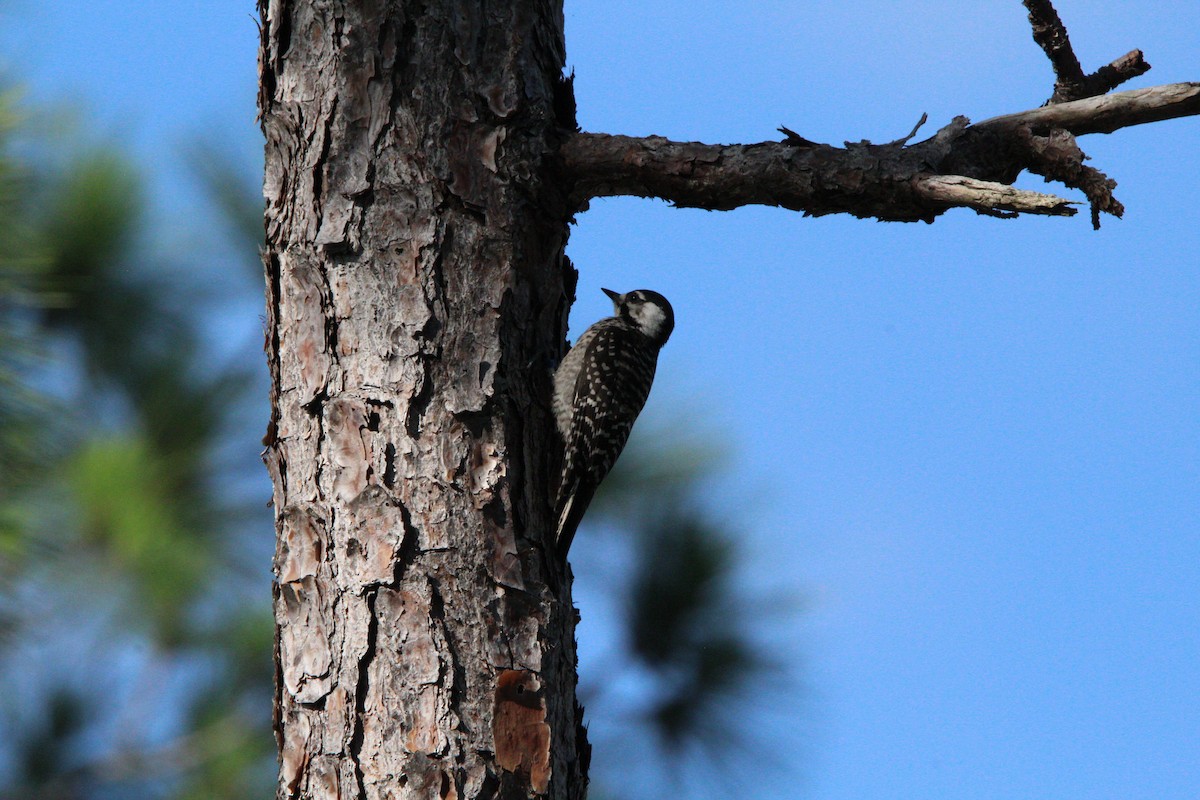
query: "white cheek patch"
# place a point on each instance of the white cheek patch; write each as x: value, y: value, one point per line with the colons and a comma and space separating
x: 650, y: 318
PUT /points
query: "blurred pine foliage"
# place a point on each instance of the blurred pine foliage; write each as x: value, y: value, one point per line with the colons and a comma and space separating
x: 135, y: 542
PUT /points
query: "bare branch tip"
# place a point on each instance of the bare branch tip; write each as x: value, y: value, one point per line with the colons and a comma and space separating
x: 794, y: 139
x: 905, y: 139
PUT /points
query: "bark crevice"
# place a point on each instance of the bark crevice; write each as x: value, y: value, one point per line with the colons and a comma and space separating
x: 358, y: 733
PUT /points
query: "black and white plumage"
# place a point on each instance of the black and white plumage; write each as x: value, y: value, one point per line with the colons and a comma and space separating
x: 599, y: 390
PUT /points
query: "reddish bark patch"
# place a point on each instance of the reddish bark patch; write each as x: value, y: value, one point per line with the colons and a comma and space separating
x: 519, y: 727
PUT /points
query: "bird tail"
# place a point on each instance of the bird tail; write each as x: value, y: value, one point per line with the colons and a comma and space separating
x: 571, y: 507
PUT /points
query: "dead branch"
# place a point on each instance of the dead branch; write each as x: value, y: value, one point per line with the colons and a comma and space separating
x: 1070, y: 82
x: 888, y: 182
x: 988, y: 197
x: 962, y: 165
x: 1111, y: 112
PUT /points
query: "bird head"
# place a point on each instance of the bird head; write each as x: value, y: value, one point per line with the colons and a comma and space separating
x: 647, y: 310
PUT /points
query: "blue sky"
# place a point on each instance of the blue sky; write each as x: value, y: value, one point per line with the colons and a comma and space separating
x: 972, y: 448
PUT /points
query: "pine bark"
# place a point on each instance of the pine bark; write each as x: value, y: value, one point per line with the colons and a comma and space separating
x: 416, y: 284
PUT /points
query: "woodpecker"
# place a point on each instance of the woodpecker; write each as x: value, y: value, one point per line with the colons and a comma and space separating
x: 599, y: 390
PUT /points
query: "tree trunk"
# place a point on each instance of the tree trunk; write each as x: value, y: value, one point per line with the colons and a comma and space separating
x: 415, y: 273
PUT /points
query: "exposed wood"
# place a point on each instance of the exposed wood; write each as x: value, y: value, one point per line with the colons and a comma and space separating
x: 989, y: 196
x: 1111, y: 112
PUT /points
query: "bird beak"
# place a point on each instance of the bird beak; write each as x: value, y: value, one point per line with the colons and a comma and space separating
x: 614, y: 296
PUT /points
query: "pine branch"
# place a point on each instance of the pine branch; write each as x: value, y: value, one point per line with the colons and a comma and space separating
x: 894, y: 181
x: 1109, y: 113
x: 962, y: 165
x: 1071, y: 84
